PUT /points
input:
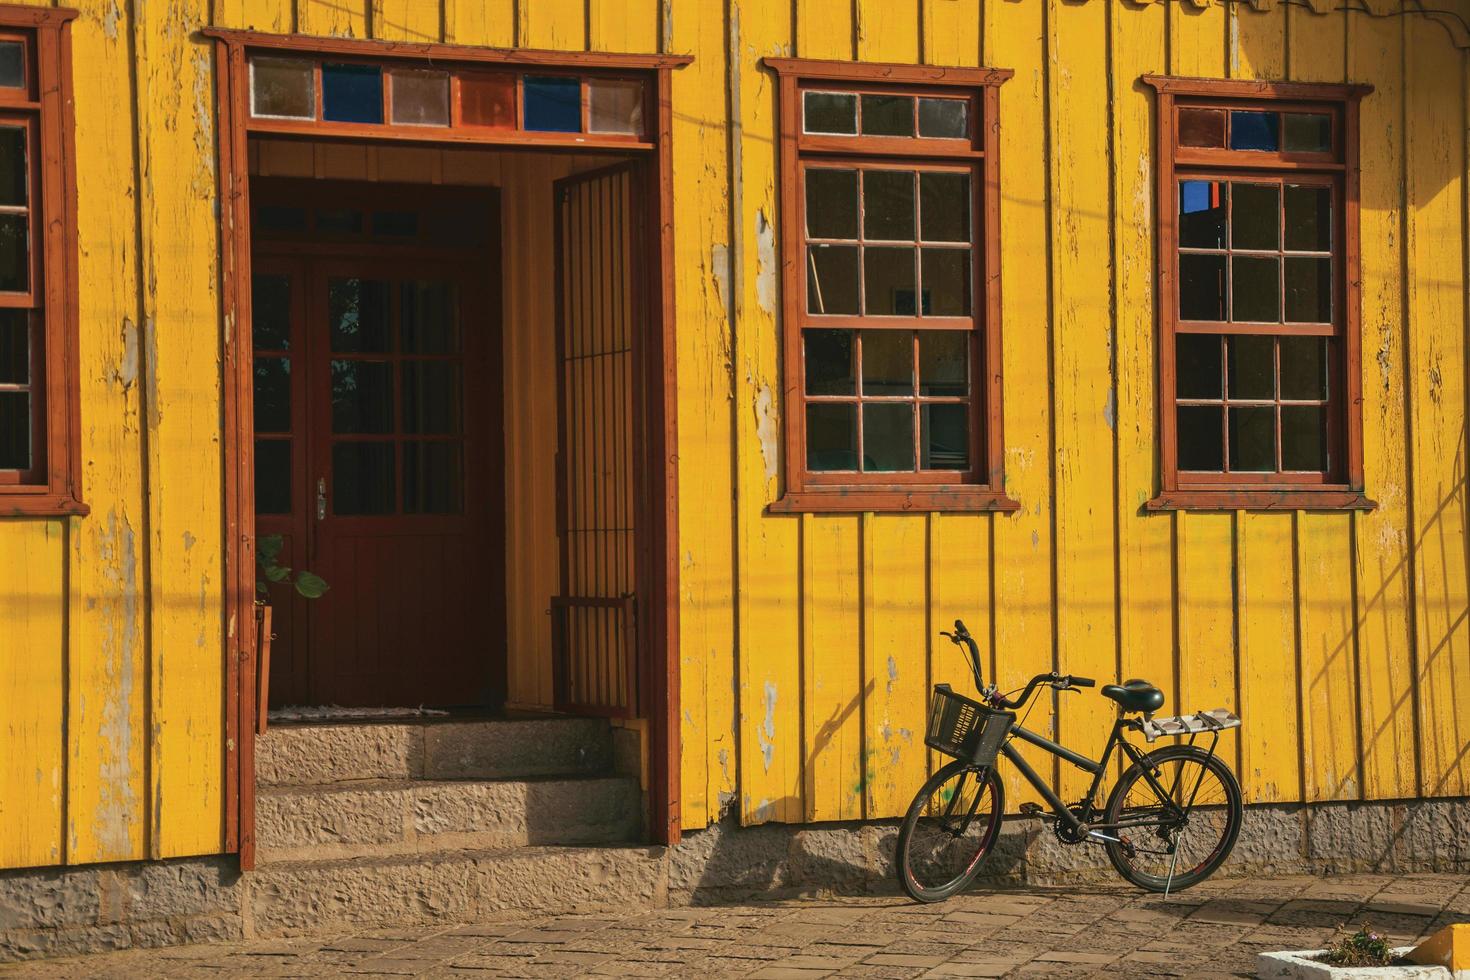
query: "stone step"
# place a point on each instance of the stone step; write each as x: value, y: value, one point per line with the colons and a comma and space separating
x: 381, y: 818
x: 307, y: 897
x: 518, y: 748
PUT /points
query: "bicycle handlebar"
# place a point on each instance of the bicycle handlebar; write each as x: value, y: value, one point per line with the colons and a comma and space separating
x: 1062, y: 682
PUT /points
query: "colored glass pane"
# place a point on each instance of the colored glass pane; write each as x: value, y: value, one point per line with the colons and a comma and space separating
x: 282, y: 87
x: 487, y: 99
x: 615, y: 106
x: 420, y: 97
x: 553, y: 104
x: 1202, y: 127
x: 1253, y: 130
x: 352, y: 93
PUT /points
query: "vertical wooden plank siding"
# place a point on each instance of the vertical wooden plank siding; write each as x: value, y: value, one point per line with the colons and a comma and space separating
x: 1435, y: 163
x: 807, y: 642
x: 32, y: 693
x: 181, y: 357
x: 1381, y: 538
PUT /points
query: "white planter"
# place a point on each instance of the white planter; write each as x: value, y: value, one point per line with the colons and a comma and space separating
x: 1303, y: 964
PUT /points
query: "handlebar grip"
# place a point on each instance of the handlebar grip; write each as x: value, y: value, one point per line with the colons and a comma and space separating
x: 1083, y: 682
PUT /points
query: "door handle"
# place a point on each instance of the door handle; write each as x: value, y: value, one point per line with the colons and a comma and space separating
x: 321, y: 498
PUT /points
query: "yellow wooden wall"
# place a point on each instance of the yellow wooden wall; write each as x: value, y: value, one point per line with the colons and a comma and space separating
x: 807, y: 642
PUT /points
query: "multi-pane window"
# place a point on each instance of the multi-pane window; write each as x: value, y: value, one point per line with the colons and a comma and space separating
x: 38, y: 470
x: 888, y: 313
x: 1258, y: 314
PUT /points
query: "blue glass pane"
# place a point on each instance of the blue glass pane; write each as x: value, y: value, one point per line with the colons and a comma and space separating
x: 352, y: 93
x: 553, y: 105
x: 1255, y: 130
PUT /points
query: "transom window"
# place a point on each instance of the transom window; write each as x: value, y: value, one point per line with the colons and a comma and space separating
x: 889, y: 321
x: 1258, y: 314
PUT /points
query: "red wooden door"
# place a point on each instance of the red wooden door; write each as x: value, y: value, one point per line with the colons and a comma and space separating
x: 395, y: 494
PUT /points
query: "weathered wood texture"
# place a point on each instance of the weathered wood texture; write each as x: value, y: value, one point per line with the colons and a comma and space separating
x: 806, y: 641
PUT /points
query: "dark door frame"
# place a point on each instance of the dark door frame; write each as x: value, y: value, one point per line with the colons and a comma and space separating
x: 234, y: 128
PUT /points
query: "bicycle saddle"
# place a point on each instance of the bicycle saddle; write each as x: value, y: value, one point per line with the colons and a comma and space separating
x: 1135, y: 695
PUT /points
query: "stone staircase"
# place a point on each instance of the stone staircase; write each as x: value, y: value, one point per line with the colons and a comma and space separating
x: 444, y: 820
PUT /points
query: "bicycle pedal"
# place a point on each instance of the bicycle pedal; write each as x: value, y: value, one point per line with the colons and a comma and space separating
x: 1032, y: 810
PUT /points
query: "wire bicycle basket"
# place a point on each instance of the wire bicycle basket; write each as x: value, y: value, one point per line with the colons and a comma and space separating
x: 964, y: 728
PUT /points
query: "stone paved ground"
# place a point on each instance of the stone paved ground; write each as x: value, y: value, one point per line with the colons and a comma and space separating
x: 1214, y: 930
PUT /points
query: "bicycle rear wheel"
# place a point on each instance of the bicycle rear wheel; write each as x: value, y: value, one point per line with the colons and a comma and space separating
x: 1176, y: 838
x: 949, y: 828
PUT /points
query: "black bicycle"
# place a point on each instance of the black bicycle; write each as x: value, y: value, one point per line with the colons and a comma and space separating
x: 1170, y: 821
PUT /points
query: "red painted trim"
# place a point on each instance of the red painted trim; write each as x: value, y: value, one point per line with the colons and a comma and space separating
x: 1229, y: 500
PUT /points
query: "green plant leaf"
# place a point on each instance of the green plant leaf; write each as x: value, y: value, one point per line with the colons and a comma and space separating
x: 268, y: 547
x: 311, y: 586
x: 277, y: 573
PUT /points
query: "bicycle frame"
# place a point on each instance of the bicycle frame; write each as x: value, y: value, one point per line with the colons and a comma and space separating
x: 1098, y: 769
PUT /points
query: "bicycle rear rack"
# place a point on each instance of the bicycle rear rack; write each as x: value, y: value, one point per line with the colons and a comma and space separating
x: 1216, y: 721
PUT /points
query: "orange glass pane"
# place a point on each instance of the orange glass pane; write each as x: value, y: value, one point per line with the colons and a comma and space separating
x: 487, y: 99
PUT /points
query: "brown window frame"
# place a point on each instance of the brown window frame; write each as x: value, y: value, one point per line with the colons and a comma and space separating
x: 981, y: 487
x: 52, y: 484
x: 1340, y: 487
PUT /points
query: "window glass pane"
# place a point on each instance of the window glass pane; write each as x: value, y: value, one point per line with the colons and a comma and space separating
x: 1303, y: 368
x: 888, y: 437
x: 946, y: 281
x: 362, y: 397
x: 1252, y: 367
x: 888, y: 115
x: 352, y: 93
x: 15, y: 430
x: 830, y: 112
x: 832, y: 279
x: 888, y: 205
x: 831, y: 203
x: 1307, y: 132
x: 944, y: 207
x: 15, y: 347
x: 829, y: 368
x: 1308, y: 218
x: 433, y: 478
x: 552, y: 104
x: 12, y: 64
x: 1253, y: 439
x: 362, y: 478
x: 339, y: 221
x: 1255, y: 289
x: 272, y: 394
x: 1202, y: 287
x: 944, y: 363
x: 831, y: 437
x: 1255, y: 221
x: 395, y: 224
x: 1303, y: 438
x: 269, y: 217
x: 431, y: 401
x: 1202, y: 211
x: 420, y: 97
x: 944, y: 118
x: 614, y: 106
x: 888, y: 281
x: 487, y: 98
x: 888, y: 362
x: 430, y: 317
x: 282, y: 87
x: 270, y: 312
x: 1202, y: 127
x: 1308, y: 290
x: 357, y: 311
x: 944, y: 436
x: 273, y: 476
x: 14, y: 176
x: 1201, y: 440
x: 15, y: 271
x: 1251, y: 130
x: 1197, y: 371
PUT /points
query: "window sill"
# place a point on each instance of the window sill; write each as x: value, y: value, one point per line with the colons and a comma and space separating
x: 1230, y: 500
x: 853, y: 500
x: 41, y: 505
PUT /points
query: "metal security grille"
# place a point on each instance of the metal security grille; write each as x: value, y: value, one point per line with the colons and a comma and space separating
x: 599, y: 307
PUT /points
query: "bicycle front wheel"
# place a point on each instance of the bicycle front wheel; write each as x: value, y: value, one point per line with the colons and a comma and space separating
x: 1176, y: 818
x: 949, y: 828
